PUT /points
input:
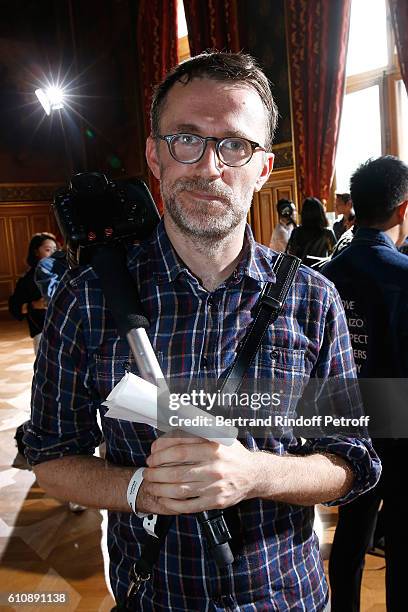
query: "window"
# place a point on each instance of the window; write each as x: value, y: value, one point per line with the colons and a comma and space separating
x: 367, y: 47
x: 183, y: 48
x: 402, y: 112
x: 375, y: 112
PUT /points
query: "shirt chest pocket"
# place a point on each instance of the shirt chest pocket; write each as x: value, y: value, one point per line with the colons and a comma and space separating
x: 112, y: 365
x: 282, y: 358
x: 279, y: 363
x: 277, y: 375
x: 109, y: 371
x: 112, y: 360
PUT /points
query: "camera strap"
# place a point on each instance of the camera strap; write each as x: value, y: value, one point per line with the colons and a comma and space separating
x: 268, y: 308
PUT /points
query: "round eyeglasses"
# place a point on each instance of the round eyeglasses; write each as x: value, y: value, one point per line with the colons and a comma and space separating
x: 190, y: 148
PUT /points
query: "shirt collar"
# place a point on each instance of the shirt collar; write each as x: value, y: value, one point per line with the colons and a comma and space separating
x: 369, y: 234
x: 256, y: 260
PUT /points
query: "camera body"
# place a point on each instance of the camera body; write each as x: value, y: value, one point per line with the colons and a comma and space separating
x: 95, y: 211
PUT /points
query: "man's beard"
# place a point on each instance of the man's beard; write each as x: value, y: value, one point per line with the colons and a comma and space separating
x: 198, y: 219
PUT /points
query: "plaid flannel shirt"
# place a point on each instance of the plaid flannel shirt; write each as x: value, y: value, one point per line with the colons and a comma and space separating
x: 277, y: 562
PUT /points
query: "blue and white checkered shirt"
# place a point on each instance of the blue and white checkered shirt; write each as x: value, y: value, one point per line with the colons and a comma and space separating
x: 277, y: 562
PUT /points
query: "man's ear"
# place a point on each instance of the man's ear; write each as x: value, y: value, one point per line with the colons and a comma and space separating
x: 266, y: 170
x: 402, y: 211
x: 152, y: 156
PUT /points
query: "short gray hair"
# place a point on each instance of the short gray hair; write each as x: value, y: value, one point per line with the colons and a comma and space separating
x: 220, y: 66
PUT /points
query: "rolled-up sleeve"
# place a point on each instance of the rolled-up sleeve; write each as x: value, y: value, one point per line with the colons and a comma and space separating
x: 63, y: 410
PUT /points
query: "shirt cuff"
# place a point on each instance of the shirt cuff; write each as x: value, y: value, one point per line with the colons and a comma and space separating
x: 360, y: 455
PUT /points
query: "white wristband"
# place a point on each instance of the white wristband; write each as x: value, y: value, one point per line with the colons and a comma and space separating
x: 133, y: 490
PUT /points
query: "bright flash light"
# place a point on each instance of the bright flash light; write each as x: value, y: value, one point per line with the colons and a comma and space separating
x: 51, y: 99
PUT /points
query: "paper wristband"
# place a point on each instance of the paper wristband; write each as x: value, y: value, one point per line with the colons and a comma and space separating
x: 133, y: 490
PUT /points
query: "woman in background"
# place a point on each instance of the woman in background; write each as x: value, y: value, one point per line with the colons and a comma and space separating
x: 287, y: 222
x: 26, y: 301
x: 313, y: 239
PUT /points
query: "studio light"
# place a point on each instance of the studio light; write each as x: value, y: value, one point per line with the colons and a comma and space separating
x: 51, y: 98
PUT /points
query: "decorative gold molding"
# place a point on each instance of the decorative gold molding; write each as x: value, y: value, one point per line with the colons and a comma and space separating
x: 27, y: 192
x: 283, y: 155
x: 280, y: 174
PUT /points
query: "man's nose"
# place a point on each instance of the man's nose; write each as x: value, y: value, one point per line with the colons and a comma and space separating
x: 210, y: 164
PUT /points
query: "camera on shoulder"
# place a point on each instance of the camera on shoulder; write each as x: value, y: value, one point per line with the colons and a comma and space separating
x: 94, y: 211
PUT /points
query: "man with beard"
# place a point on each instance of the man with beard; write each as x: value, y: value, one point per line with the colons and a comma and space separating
x: 199, y: 277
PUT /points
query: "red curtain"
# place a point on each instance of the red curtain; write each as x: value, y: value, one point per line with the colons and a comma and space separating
x: 157, y: 47
x: 212, y: 24
x: 317, y: 32
x: 399, y: 18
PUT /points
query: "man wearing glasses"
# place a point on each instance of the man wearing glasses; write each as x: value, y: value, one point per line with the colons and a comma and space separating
x: 199, y: 277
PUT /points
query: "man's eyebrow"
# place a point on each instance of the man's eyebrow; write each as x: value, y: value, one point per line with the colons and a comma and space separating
x: 190, y: 128
x: 186, y: 128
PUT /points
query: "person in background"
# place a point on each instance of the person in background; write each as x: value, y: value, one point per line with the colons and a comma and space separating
x: 312, y: 239
x: 344, y: 240
x: 343, y: 206
x: 27, y: 302
x: 372, y: 279
x: 49, y: 272
x: 287, y: 221
x: 43, y: 278
x: 350, y: 221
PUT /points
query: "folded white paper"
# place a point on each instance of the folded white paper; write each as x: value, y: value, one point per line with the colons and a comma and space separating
x: 135, y: 399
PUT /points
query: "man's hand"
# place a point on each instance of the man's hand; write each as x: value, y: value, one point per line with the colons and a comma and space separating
x: 203, y: 475
x: 187, y: 475
x: 149, y: 503
x: 39, y: 304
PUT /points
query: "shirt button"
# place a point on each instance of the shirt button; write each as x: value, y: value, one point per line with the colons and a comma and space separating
x: 274, y: 354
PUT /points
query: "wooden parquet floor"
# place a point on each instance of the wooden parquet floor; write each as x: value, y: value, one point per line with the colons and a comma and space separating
x: 44, y: 547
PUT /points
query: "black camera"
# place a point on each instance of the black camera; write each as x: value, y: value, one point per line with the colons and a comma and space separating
x: 94, y: 211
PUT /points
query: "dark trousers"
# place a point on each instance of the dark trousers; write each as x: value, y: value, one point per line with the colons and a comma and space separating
x: 354, y: 531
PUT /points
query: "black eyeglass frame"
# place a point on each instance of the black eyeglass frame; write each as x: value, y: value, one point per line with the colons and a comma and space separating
x: 168, y: 138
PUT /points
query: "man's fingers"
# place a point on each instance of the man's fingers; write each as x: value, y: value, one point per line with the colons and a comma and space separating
x: 174, y: 474
x: 174, y: 440
x: 181, y: 453
x: 188, y: 506
x: 174, y: 491
x: 149, y: 503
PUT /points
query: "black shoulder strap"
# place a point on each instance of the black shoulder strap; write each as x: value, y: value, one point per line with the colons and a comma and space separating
x: 269, y: 307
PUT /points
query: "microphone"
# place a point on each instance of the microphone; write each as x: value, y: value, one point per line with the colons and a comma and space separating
x: 123, y: 301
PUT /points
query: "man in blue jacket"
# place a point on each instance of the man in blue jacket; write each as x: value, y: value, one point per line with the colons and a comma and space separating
x: 372, y: 279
